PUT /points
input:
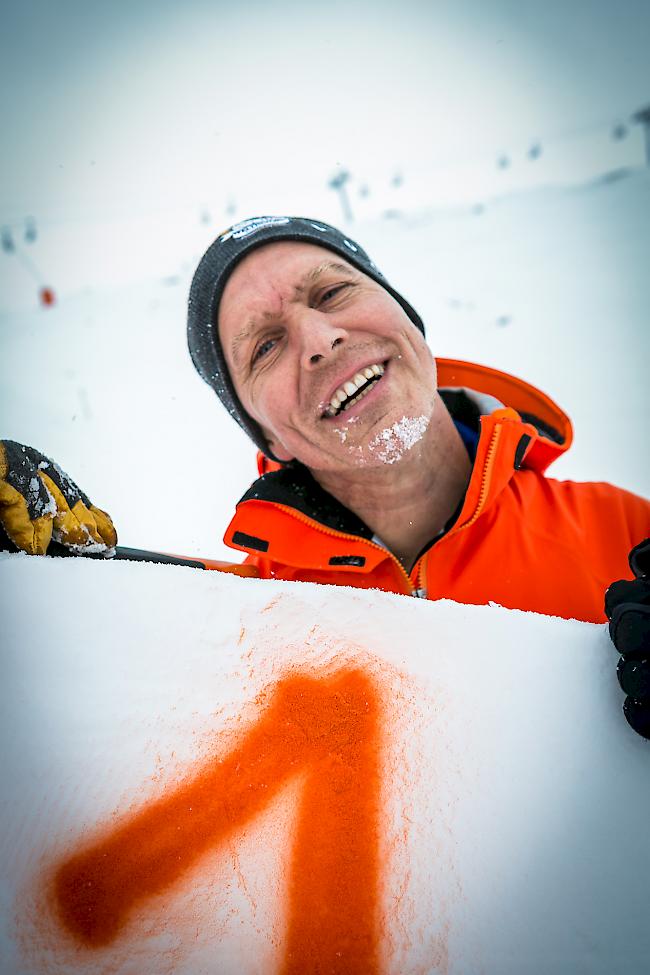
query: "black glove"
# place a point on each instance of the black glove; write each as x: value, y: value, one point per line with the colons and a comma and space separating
x: 40, y: 503
x: 627, y: 605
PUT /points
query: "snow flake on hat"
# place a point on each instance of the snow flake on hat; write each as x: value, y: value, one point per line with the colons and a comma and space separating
x: 348, y: 243
x: 251, y: 226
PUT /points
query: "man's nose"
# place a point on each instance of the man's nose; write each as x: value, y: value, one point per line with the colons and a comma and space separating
x: 319, y: 338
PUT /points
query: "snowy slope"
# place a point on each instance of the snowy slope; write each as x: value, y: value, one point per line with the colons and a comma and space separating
x: 514, y: 796
x: 550, y: 285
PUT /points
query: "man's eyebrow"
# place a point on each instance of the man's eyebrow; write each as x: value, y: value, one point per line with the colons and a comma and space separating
x: 312, y: 275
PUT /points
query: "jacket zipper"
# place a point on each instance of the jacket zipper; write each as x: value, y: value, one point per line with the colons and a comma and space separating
x: 413, y: 591
x: 486, y: 477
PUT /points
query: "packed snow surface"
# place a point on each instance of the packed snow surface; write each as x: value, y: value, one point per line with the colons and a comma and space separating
x: 506, y: 764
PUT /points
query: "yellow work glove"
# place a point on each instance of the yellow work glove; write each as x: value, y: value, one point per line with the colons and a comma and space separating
x: 39, y: 503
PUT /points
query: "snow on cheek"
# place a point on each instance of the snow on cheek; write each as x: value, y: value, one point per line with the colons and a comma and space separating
x: 391, y: 444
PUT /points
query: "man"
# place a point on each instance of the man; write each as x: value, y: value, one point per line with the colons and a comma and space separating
x: 387, y: 477
x: 380, y: 466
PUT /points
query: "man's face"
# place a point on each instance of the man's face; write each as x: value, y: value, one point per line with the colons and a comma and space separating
x: 322, y: 357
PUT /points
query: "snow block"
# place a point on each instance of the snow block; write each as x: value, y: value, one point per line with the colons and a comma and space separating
x: 203, y: 773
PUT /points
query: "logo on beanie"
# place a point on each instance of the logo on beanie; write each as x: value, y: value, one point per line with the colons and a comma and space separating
x: 251, y: 226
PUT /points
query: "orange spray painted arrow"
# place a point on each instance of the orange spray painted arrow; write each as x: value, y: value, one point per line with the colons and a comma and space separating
x: 327, y: 728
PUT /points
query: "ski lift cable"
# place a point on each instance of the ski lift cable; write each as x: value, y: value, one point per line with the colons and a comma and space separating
x: 551, y: 138
x: 29, y: 265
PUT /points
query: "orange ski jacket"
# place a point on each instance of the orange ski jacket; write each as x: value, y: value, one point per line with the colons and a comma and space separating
x: 519, y: 539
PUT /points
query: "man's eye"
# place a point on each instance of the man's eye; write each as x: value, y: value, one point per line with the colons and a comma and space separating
x: 263, y: 349
x: 333, y: 291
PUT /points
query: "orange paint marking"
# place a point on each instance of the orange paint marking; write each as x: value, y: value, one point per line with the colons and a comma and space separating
x: 327, y: 728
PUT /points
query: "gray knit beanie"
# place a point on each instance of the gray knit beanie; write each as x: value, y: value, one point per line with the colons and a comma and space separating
x: 216, y: 266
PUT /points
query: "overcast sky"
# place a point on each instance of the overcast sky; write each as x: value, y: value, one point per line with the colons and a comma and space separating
x: 137, y: 106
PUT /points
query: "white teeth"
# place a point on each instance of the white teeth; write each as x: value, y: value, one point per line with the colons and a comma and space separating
x: 350, y: 390
x: 355, y: 400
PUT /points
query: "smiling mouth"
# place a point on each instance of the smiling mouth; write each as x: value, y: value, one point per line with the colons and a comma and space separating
x: 354, y: 389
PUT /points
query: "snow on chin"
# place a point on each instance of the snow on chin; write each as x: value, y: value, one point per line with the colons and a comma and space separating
x: 342, y: 432
x: 390, y: 445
